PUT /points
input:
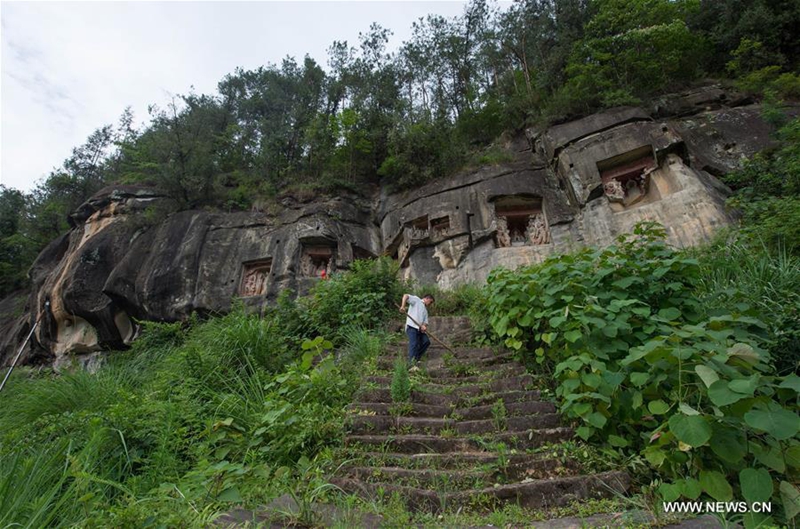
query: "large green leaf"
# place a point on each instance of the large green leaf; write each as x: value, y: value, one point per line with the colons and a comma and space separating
x: 790, y: 497
x: 617, y: 441
x: 655, y: 456
x: 670, y: 313
x: 690, y: 488
x: 756, y: 484
x: 715, y: 485
x: 693, y: 430
x: 721, y: 395
x: 658, y: 407
x: 770, y: 457
x: 793, y: 456
x: 230, y: 494
x: 706, y: 374
x: 728, y: 444
x: 776, y: 420
x: 596, y: 419
x: 592, y: 380
x: 791, y: 382
x: 746, y: 386
x: 639, y: 379
x: 669, y: 492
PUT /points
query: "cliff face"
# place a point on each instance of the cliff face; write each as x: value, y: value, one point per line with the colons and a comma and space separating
x: 579, y: 183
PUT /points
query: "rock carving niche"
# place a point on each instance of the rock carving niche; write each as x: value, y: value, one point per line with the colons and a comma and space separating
x: 440, y: 225
x: 520, y: 221
x: 254, y: 278
x: 626, y: 177
x: 315, y: 260
x: 419, y: 227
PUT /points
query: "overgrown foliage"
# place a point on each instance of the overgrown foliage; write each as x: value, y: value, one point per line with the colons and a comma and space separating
x: 196, y: 416
x: 364, y: 296
x: 645, y: 367
x: 768, y: 191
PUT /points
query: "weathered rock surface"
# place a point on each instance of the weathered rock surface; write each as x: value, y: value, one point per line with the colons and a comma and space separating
x: 131, y: 256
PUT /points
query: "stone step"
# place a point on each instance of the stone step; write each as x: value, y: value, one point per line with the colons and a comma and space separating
x: 518, y: 382
x: 533, y: 494
x: 441, y: 480
x: 364, y: 424
x: 436, y: 352
x: 513, y: 466
x: 475, y: 413
x: 410, y: 444
x: 447, y: 377
x: 456, y: 400
x: 477, y: 362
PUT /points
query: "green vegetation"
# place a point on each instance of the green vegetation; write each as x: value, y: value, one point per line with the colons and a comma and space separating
x: 401, y: 385
x: 194, y: 417
x: 649, y: 368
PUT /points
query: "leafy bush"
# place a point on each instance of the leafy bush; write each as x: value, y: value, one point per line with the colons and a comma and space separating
x: 642, y: 367
x: 767, y: 192
x: 365, y: 295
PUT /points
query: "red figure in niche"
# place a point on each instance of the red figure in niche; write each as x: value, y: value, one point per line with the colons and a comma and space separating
x: 323, y: 274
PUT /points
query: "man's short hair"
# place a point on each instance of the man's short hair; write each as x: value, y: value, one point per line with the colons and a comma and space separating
x: 429, y: 296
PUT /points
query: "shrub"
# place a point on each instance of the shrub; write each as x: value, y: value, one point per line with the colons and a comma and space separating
x: 364, y: 295
x: 642, y: 367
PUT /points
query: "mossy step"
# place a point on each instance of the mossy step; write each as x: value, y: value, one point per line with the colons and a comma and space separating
x: 436, y: 352
x: 477, y: 362
x: 533, y: 494
x: 361, y: 424
x: 513, y: 466
x: 447, y: 376
x: 455, y: 400
x: 470, y: 414
x: 441, y: 480
x: 409, y: 444
x: 459, y: 478
x: 511, y: 383
x: 517, y: 382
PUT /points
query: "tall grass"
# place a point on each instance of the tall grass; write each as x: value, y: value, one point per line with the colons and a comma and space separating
x: 140, y: 439
x: 759, y: 279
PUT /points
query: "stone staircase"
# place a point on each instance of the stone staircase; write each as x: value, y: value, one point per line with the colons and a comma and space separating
x: 474, y: 435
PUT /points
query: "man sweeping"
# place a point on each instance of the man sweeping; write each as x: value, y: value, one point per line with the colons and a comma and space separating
x: 416, y: 325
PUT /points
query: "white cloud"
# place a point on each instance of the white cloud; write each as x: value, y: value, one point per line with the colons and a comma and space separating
x: 69, y: 68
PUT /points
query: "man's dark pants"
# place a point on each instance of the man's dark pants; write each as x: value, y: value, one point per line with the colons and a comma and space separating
x: 418, y: 343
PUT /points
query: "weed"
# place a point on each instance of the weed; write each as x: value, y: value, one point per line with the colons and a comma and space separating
x: 401, y: 386
x: 499, y: 415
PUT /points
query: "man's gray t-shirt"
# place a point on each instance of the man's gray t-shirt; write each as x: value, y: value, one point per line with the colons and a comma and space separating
x: 416, y: 310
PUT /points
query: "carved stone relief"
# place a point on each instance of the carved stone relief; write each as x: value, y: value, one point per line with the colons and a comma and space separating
x: 537, y: 230
x: 520, y: 222
x: 317, y: 259
x: 254, y: 278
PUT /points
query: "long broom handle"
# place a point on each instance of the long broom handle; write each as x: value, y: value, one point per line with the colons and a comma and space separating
x: 428, y: 332
x: 22, y: 347
x: 18, y: 355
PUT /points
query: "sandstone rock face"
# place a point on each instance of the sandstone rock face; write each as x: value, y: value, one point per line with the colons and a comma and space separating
x: 130, y: 256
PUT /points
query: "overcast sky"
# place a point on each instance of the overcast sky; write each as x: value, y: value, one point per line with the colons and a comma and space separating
x: 69, y: 68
